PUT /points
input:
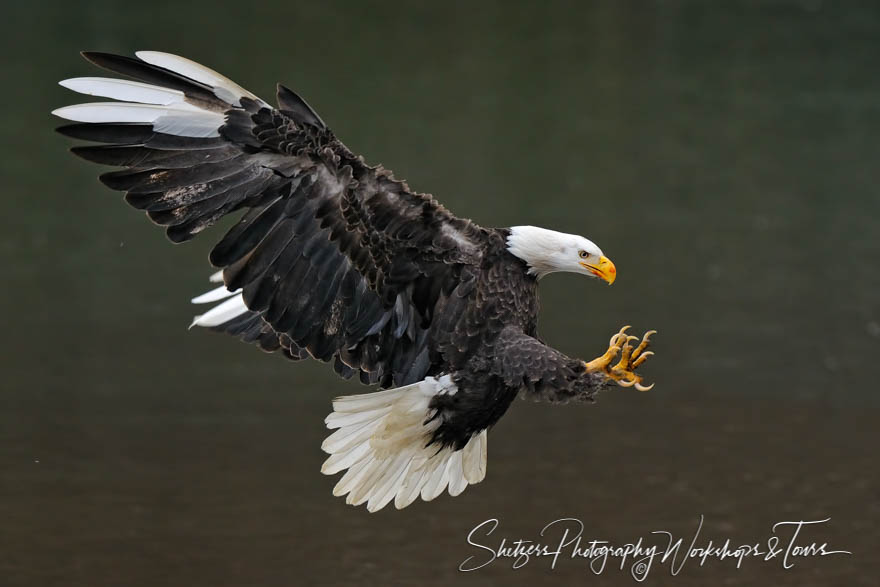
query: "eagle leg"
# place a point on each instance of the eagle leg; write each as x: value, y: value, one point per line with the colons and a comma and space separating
x: 630, y: 357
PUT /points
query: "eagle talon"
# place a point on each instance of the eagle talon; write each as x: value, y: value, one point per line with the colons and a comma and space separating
x: 626, y: 353
x: 642, y: 358
x: 646, y: 340
x: 615, y: 337
x: 623, y: 373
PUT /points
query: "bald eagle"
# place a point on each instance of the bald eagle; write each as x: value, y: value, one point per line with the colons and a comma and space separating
x: 336, y: 260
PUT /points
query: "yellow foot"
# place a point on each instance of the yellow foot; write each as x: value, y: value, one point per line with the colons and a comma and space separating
x: 624, y: 371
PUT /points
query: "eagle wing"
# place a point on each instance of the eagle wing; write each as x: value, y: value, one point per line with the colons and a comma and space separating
x: 333, y: 258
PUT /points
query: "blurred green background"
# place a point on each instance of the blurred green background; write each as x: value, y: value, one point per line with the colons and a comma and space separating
x: 723, y: 154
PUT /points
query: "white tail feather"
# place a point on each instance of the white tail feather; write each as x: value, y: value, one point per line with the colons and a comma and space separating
x: 474, y: 459
x: 381, y: 439
x: 457, y: 483
x: 411, y: 488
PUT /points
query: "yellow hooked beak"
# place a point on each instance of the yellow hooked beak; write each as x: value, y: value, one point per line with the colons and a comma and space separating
x: 604, y: 269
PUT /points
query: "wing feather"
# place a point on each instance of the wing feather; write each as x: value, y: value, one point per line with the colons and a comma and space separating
x: 333, y: 257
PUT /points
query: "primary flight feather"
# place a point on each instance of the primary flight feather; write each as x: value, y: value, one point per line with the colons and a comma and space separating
x: 337, y: 260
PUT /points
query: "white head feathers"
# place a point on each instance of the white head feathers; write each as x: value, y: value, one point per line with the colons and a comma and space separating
x: 547, y: 251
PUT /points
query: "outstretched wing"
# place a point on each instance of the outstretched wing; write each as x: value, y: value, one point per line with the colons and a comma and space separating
x: 333, y: 257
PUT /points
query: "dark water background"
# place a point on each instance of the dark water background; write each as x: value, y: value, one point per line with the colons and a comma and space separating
x: 724, y: 154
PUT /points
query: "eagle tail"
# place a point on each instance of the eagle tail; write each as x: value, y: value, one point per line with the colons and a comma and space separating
x: 383, y: 439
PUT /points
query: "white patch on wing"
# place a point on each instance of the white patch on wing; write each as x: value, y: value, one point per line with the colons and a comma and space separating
x: 224, y: 88
x: 166, y: 109
x: 231, y: 306
x: 220, y: 293
x: 124, y: 90
x: 180, y: 119
x: 381, y: 439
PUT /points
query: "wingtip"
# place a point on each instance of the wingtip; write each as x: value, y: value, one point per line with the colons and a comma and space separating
x: 65, y: 129
x: 290, y: 101
x: 67, y: 112
x: 92, y: 56
x: 144, y: 55
x: 106, y: 60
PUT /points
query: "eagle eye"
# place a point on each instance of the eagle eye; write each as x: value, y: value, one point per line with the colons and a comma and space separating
x: 583, y: 254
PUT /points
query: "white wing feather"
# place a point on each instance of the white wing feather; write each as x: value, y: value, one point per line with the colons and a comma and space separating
x: 224, y: 88
x: 125, y: 90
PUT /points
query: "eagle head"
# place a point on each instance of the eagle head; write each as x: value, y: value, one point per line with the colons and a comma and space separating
x: 547, y: 251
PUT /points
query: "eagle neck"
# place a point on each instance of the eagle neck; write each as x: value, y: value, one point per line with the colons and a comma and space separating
x: 534, y: 247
